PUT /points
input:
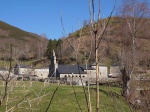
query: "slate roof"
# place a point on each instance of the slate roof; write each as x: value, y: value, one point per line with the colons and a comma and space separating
x: 3, y: 69
x: 69, y: 69
x: 21, y: 66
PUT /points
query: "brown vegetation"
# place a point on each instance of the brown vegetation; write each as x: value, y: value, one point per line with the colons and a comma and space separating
x: 25, y: 45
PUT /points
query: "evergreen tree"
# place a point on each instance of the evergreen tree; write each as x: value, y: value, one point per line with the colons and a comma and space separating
x: 58, y: 47
x: 53, y: 45
x: 49, y: 49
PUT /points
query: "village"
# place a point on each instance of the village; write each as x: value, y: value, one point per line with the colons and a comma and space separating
x: 66, y: 73
x: 70, y: 73
x: 75, y: 56
x: 80, y: 75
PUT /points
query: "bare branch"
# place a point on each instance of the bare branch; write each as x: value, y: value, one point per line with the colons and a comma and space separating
x: 52, y: 98
x: 101, y: 35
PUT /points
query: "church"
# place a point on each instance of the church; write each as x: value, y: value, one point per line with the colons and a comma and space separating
x: 64, y: 71
x: 84, y: 72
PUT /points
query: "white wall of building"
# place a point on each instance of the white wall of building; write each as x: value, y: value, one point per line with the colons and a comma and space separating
x: 103, y: 71
x: 72, y: 75
x: 42, y: 73
x: 23, y: 71
x: 115, y: 71
x: 91, y: 73
x: 5, y: 72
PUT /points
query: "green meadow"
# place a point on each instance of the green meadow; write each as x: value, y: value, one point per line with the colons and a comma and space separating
x: 39, y: 97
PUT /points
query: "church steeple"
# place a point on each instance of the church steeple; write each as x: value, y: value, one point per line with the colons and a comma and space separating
x: 53, y: 65
x: 54, y: 57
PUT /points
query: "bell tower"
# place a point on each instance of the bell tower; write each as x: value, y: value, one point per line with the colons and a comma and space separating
x: 53, y: 66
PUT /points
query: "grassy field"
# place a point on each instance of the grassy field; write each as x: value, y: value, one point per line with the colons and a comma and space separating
x: 27, y: 97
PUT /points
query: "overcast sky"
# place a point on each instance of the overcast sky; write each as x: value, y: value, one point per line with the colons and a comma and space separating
x: 43, y: 16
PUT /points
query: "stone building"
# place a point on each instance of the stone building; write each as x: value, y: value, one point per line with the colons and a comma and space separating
x: 84, y: 72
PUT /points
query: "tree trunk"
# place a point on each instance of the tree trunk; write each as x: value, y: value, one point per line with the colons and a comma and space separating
x: 97, y: 73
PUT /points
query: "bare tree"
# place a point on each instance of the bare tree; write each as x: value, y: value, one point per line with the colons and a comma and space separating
x: 97, y: 32
x: 134, y: 13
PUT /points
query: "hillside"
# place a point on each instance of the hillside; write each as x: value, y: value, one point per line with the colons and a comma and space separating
x: 7, y: 30
x: 116, y: 43
x: 25, y: 45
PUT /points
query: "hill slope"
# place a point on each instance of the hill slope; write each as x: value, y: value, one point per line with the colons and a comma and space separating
x: 26, y: 45
x: 116, y: 44
x: 7, y: 30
